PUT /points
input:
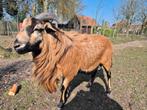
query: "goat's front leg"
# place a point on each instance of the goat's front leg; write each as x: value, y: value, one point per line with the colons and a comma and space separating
x: 107, y: 81
x: 65, y: 91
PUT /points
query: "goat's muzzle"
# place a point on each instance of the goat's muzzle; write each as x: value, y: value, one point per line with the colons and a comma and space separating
x: 20, y: 48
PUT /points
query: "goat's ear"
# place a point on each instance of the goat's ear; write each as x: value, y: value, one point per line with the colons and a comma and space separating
x: 49, y: 28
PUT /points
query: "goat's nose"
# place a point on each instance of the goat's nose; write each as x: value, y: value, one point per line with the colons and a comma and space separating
x: 16, y: 44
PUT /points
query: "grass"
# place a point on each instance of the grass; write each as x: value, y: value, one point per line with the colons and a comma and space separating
x: 7, y: 54
x: 123, y: 39
x: 30, y: 97
x: 5, y: 43
x: 128, y: 80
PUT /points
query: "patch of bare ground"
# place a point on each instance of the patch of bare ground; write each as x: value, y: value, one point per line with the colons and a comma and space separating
x: 130, y: 44
x: 12, y: 71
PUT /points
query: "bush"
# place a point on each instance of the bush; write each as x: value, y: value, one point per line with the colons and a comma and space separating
x: 108, y: 32
x: 145, y: 31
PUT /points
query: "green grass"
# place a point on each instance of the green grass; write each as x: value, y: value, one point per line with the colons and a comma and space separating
x: 123, y: 39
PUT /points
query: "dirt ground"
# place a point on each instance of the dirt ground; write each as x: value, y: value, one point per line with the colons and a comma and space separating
x: 128, y: 82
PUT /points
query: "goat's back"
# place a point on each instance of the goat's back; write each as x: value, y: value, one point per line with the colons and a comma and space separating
x: 93, y: 49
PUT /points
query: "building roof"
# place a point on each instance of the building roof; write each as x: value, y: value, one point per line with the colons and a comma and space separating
x: 87, y: 21
x: 120, y: 24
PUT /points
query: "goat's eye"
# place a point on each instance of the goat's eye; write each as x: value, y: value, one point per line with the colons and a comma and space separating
x: 29, y: 29
x: 39, y: 30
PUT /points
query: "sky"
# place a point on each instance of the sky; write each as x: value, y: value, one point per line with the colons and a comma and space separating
x: 103, y: 8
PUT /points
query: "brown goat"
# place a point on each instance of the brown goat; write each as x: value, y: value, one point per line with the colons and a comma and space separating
x: 58, y: 54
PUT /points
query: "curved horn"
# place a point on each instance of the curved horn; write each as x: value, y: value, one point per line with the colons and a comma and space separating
x: 46, y: 17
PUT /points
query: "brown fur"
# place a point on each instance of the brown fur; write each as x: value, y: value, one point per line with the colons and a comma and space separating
x: 63, y: 56
x: 58, y: 54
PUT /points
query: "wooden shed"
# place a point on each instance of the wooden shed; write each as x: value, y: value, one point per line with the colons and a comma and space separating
x: 83, y: 24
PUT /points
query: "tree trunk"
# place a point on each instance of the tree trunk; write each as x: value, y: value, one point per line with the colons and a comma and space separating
x: 114, y: 32
x: 127, y: 33
x: 34, y: 9
x: 18, y: 28
x: 45, y: 6
x: 141, y: 30
x: 128, y: 28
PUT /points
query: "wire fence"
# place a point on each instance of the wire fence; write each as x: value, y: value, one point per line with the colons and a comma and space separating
x: 8, y: 28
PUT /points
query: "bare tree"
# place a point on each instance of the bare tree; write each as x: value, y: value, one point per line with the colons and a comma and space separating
x: 1, y: 9
x: 142, y: 14
x: 128, y: 11
x: 68, y: 8
x: 11, y: 7
x: 116, y: 15
x: 45, y: 4
x: 63, y: 8
x: 98, y: 8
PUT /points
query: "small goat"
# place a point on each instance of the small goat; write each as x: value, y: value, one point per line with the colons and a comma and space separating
x: 58, y: 54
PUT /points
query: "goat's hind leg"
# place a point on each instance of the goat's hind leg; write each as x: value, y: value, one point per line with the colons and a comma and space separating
x: 93, y: 75
x: 108, y: 81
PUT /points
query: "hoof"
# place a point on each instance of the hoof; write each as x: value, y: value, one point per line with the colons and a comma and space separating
x: 109, y: 95
x: 59, y: 108
x: 60, y: 105
x: 108, y: 91
x: 89, y: 85
x: 68, y: 92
